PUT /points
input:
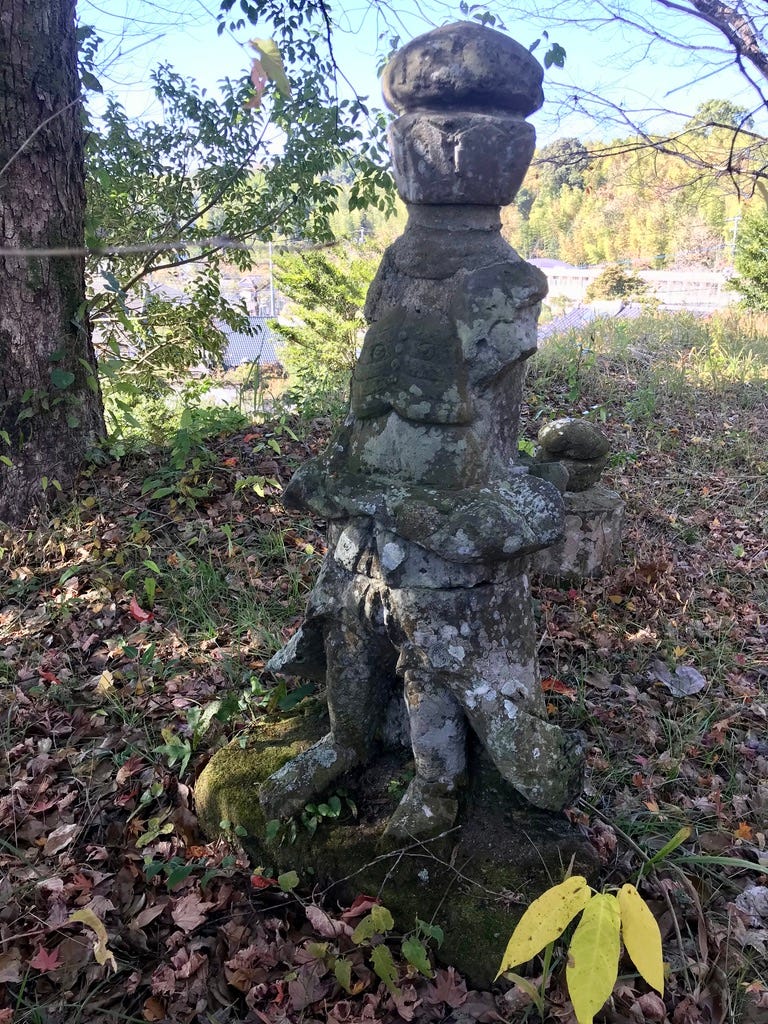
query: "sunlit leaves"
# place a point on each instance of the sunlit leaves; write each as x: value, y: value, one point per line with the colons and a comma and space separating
x: 545, y: 920
x: 272, y: 64
x: 593, y: 957
x: 593, y: 954
x: 641, y: 935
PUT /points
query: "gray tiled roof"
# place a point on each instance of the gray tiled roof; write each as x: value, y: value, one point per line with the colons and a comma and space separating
x: 262, y: 347
x: 578, y: 318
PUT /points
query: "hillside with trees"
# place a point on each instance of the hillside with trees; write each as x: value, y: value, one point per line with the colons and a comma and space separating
x: 632, y: 204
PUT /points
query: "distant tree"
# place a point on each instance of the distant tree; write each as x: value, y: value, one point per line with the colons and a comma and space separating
x: 715, y: 114
x: 323, y: 323
x: 563, y: 162
x: 615, y: 283
x: 751, y: 261
x: 709, y: 38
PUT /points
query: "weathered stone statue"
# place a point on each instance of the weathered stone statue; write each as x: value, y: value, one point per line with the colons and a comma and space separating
x: 431, y: 516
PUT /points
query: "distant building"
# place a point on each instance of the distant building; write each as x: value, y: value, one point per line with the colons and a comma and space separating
x: 262, y: 347
x: 581, y: 316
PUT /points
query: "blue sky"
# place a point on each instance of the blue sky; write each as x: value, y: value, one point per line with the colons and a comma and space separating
x: 607, y: 59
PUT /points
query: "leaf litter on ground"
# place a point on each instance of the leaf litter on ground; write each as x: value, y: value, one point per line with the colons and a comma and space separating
x: 104, y: 689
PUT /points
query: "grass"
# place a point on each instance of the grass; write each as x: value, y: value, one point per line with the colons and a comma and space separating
x: 104, y: 700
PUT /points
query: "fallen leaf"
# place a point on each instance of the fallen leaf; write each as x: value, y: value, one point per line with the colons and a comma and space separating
x: 448, y: 988
x: 138, y: 613
x: 683, y: 682
x: 325, y: 925
x: 262, y: 882
x: 45, y: 960
x: 361, y: 905
x: 100, y: 949
x: 552, y: 685
x: 60, y: 838
x: 10, y: 971
x: 154, y: 1009
x: 189, y: 912
x: 649, y: 1007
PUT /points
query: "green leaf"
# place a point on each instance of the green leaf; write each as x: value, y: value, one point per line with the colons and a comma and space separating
x: 288, y: 881
x: 545, y: 920
x: 152, y: 868
x: 415, y: 953
x: 178, y: 874
x: 272, y: 62
x: 382, y: 919
x: 555, y: 56
x: 273, y: 829
x: 677, y: 839
x: 377, y: 922
x: 342, y: 970
x: 432, y: 931
x: 724, y: 862
x: 61, y: 379
x: 90, y: 81
x: 384, y: 966
x: 593, y: 957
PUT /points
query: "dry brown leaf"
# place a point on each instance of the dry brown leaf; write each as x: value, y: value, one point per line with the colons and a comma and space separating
x: 60, y: 839
x: 189, y: 912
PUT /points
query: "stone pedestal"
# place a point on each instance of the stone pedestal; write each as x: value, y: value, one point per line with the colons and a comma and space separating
x: 591, y: 543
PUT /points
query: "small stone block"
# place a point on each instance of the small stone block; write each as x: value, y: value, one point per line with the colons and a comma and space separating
x: 592, y: 540
x: 460, y: 158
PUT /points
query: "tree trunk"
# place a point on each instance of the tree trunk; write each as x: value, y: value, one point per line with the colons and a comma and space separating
x: 50, y: 403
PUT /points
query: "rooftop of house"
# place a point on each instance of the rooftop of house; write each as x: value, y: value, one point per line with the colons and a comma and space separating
x: 263, y: 346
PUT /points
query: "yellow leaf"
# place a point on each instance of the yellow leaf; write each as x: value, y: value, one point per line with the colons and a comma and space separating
x: 593, y: 957
x: 545, y: 920
x: 106, y: 682
x: 642, y: 937
x: 100, y: 951
x: 272, y: 64
x: 744, y: 831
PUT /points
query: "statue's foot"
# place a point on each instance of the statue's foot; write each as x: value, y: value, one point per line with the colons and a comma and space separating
x: 544, y: 764
x: 287, y: 791
x: 427, y: 810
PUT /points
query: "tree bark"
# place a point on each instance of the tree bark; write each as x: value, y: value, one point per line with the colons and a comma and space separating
x: 50, y: 403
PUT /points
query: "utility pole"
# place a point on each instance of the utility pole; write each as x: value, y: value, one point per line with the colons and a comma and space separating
x: 735, y: 220
x: 271, y: 284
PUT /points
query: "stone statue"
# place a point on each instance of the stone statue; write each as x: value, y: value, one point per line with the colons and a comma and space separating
x: 431, y: 515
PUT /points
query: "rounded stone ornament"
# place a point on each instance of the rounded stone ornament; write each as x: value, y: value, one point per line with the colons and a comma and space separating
x: 464, y: 66
x: 573, y: 439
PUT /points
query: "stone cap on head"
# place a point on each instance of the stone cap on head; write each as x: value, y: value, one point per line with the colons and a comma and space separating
x: 463, y: 66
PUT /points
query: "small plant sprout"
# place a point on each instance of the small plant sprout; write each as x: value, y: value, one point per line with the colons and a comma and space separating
x: 594, y: 950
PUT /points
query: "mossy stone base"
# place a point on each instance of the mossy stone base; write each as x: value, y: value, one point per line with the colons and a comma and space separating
x: 475, y: 882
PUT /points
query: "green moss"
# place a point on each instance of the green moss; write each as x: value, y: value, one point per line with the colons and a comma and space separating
x: 503, y: 846
x: 228, y: 787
